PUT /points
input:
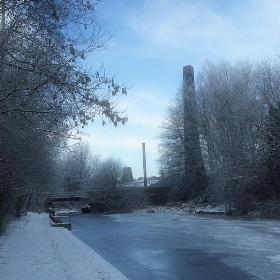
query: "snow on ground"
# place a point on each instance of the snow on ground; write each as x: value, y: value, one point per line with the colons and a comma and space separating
x: 32, y: 250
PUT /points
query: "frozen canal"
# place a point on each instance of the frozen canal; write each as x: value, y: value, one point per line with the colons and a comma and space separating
x: 177, y: 246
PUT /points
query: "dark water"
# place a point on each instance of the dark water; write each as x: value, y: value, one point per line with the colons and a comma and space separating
x: 143, y: 250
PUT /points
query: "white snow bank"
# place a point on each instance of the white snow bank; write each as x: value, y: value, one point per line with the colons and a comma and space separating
x: 33, y: 250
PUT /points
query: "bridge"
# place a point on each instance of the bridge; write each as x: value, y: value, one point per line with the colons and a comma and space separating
x: 156, y: 195
x: 66, y: 196
x: 62, y: 220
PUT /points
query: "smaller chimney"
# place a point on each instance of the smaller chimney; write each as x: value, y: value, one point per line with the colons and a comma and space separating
x: 127, y: 176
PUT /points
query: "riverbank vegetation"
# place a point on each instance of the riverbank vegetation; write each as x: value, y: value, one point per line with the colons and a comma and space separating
x: 48, y: 94
x: 238, y: 108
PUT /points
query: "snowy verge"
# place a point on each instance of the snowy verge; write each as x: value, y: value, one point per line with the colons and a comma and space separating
x: 32, y: 250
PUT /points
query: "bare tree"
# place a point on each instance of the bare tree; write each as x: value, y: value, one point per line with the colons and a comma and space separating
x: 77, y: 168
x: 230, y: 110
x: 46, y: 93
x: 171, y: 145
x: 45, y: 75
x: 232, y: 122
x: 268, y: 89
x: 109, y: 174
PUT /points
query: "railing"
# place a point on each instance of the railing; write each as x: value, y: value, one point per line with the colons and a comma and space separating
x: 60, y: 220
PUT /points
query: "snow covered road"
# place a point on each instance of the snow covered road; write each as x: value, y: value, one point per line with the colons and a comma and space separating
x: 33, y: 250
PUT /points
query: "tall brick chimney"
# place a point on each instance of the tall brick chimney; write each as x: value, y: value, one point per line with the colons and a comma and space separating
x: 194, y: 165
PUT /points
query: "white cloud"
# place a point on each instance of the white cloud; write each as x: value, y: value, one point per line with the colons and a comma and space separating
x: 145, y: 107
x: 109, y: 138
x: 175, y: 25
x: 198, y: 27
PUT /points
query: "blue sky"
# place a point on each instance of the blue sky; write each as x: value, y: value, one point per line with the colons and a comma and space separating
x: 152, y: 41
